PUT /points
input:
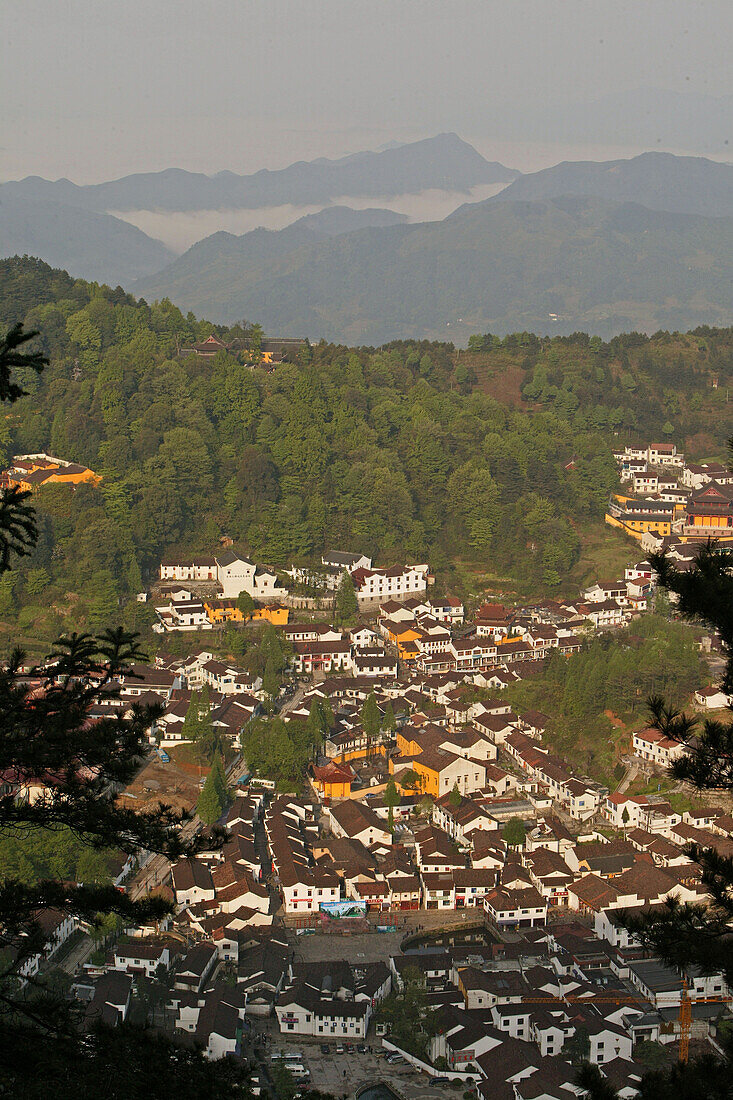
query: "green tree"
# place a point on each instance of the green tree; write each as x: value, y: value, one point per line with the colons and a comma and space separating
x: 371, y: 719
x: 285, y: 1084
x: 219, y: 779
x: 391, y: 800
x: 389, y: 722
x: 514, y: 832
x: 455, y: 798
x: 210, y: 806
x: 36, y: 581
x: 316, y: 724
x: 347, y: 607
x: 270, y: 679
x: 191, y: 720
x: 207, y: 736
x: 407, y: 1014
x: 246, y: 604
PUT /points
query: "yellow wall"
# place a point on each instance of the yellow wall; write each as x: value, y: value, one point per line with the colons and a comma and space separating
x: 707, y: 521
x: 359, y: 754
x: 637, y: 527
x: 73, y: 479
x: 430, y: 779
x: 278, y: 616
x: 406, y: 745
x: 335, y: 790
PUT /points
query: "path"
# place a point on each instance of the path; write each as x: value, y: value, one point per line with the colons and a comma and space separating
x: 295, y: 699
x: 78, y: 955
x: 157, y: 870
x: 632, y: 771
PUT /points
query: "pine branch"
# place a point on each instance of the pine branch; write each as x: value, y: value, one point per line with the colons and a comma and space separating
x: 12, y: 359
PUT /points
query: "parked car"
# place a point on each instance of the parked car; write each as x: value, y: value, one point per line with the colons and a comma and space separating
x: 325, y: 1048
x: 361, y: 1048
x: 340, y: 1048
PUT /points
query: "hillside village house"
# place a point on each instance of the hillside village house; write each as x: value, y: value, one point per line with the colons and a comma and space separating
x: 440, y: 770
x: 31, y: 472
x: 396, y: 583
x: 237, y: 575
x: 516, y: 908
x: 713, y: 698
x: 345, y: 561
x: 232, y: 573
x: 653, y: 746
x: 192, y: 569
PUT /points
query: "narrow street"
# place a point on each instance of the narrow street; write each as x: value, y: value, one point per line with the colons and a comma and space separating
x: 77, y: 956
x: 295, y: 700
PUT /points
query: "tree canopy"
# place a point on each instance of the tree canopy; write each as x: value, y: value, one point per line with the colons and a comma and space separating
x: 380, y: 449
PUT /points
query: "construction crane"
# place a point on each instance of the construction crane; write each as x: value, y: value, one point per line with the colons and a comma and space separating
x: 684, y: 1018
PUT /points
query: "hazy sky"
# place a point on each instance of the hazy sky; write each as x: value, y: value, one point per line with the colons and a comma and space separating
x: 92, y: 89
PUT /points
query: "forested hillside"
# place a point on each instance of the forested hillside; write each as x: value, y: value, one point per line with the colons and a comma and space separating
x: 497, y: 459
x: 563, y: 264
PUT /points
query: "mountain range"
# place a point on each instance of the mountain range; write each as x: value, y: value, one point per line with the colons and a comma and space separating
x: 89, y: 245
x: 444, y: 162
x: 682, y: 185
x: 602, y: 246
x: 558, y: 265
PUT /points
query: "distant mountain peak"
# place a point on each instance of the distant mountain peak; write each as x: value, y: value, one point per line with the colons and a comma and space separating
x: 444, y: 162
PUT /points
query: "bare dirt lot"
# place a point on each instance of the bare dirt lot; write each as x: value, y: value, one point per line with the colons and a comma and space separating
x: 158, y: 782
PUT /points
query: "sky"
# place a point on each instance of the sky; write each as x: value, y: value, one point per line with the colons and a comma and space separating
x: 93, y: 90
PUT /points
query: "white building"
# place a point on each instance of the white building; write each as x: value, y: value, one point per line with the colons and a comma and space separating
x: 237, y: 575
x: 302, y: 1012
x: 653, y: 746
x: 396, y: 583
x: 192, y: 569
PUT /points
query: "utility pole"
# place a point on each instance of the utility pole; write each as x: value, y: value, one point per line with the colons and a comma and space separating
x: 685, y: 1022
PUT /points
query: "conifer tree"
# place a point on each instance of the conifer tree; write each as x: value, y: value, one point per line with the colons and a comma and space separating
x: 220, y: 782
x: 208, y: 738
x: 389, y: 722
x: 191, y: 721
x: 371, y: 719
x: 347, y: 607
x: 316, y: 724
x: 209, y: 806
x: 391, y: 800
x: 270, y: 678
x: 328, y: 715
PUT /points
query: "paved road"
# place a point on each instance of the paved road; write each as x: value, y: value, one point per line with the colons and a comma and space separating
x: 78, y: 955
x: 295, y: 700
x: 378, y: 946
x: 345, y: 1074
x: 157, y: 870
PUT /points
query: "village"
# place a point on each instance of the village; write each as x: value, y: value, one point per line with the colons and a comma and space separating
x: 434, y: 830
